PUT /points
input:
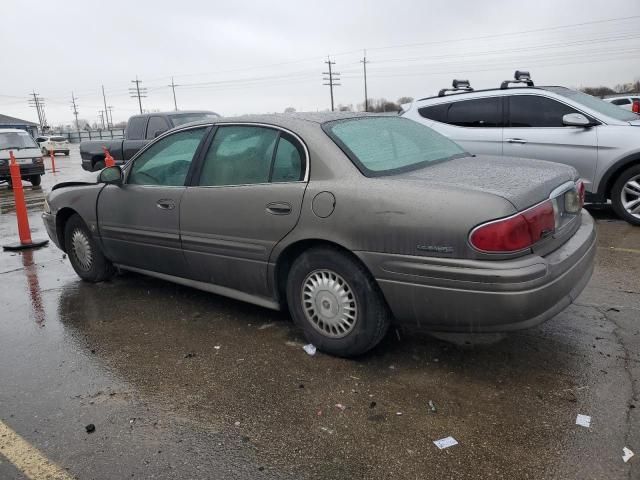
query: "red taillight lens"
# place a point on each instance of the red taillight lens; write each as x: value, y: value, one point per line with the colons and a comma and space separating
x: 517, y: 232
x: 581, y: 192
x: 635, y: 107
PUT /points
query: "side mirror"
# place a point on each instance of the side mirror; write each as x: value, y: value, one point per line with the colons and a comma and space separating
x: 111, y: 176
x: 576, y: 120
x: 157, y: 133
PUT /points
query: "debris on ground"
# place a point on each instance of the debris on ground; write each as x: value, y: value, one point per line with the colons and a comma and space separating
x: 90, y: 428
x: 627, y: 454
x: 613, y: 309
x: 217, y: 347
x: 325, y: 429
x: 340, y: 407
x: 266, y: 325
x: 189, y: 355
x: 432, y: 406
x: 372, y: 405
x: 237, y: 424
x: 445, y: 442
x: 583, y: 420
x: 310, y: 348
x: 398, y: 413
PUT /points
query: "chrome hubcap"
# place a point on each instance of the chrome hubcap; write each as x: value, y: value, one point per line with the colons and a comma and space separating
x: 329, y: 303
x: 631, y: 196
x: 81, y: 249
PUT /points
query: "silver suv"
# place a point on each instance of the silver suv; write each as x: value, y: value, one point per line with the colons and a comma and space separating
x: 601, y: 140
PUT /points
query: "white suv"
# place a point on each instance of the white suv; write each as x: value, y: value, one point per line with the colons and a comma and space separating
x: 628, y: 102
x: 53, y: 143
x: 601, y: 140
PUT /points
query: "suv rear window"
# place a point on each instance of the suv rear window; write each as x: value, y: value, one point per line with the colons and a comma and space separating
x: 388, y: 145
x: 477, y: 113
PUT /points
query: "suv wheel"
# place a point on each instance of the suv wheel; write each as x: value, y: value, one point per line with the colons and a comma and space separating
x: 84, y: 252
x: 625, y: 195
x: 336, y: 302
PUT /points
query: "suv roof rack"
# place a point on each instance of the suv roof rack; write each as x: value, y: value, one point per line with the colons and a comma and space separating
x: 458, y: 86
x: 520, y: 76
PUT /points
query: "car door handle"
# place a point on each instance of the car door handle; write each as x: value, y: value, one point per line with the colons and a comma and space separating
x: 165, y: 204
x: 279, y: 208
x: 516, y: 140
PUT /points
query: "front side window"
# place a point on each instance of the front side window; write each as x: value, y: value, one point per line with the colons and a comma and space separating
x: 596, y: 104
x: 239, y: 155
x: 387, y: 145
x: 167, y: 161
x: 536, y: 111
x: 135, y: 128
x: 478, y: 113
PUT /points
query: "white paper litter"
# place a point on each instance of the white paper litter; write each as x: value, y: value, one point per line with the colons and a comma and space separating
x: 310, y: 348
x: 446, y: 442
x: 217, y: 347
x: 583, y: 420
x: 627, y: 454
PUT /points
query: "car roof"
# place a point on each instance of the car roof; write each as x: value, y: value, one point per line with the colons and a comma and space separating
x: 504, y: 91
x: 172, y: 113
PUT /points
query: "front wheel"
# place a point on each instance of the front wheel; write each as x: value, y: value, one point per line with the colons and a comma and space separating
x: 35, y: 180
x: 336, y: 302
x: 84, y: 252
x: 625, y: 195
x: 66, y: 153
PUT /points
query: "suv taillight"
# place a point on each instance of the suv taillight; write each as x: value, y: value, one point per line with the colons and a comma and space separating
x: 517, y: 232
x: 635, y: 106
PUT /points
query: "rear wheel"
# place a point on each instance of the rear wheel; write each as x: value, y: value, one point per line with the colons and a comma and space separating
x: 625, y: 195
x: 35, y: 180
x: 66, y: 153
x: 336, y: 302
x: 84, y: 252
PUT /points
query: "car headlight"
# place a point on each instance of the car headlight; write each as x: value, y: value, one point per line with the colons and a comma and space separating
x: 36, y: 160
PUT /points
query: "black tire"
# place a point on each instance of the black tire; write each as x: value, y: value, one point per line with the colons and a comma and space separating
x: 94, y: 267
x: 99, y: 165
x: 66, y: 153
x: 35, y: 180
x: 372, y: 315
x: 617, y: 192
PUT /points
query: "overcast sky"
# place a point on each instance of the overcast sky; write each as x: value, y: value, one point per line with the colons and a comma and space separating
x: 255, y: 56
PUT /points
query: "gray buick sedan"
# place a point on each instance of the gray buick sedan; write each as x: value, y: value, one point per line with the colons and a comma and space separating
x: 351, y: 221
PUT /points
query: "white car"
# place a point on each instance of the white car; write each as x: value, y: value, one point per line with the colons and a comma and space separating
x: 628, y: 102
x: 600, y: 140
x: 53, y: 143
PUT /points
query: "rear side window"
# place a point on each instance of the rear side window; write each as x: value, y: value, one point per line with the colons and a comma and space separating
x: 239, y: 155
x: 621, y: 101
x: 435, y: 112
x: 387, y: 145
x: 536, y: 111
x: 478, y: 113
x: 156, y: 124
x: 135, y: 128
x: 288, y: 163
x: 58, y: 139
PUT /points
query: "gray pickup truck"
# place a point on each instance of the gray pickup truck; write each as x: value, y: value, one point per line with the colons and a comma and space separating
x: 141, y: 129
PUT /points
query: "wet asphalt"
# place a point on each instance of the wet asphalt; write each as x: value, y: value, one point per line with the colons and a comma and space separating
x: 188, y: 385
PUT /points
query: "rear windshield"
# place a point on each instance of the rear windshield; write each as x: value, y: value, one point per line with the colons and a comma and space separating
x: 181, y: 119
x: 388, y: 145
x: 57, y: 139
x: 16, y: 141
x: 600, y: 106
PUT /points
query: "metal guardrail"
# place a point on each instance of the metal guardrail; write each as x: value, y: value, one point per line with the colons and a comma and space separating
x: 77, y: 137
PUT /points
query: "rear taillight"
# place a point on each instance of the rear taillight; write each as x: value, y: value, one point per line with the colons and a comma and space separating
x: 517, y: 232
x: 581, y: 192
x: 635, y: 106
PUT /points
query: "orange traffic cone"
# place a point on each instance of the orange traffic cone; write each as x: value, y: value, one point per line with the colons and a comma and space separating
x: 21, y: 210
x: 108, y: 159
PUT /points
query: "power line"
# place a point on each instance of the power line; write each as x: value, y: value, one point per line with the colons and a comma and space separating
x: 138, y: 92
x: 332, y: 81
x: 173, y: 87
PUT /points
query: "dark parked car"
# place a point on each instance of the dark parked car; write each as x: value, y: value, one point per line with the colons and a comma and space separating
x: 352, y: 221
x: 141, y: 129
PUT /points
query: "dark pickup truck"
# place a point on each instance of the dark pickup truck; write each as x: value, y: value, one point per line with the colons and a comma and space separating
x: 141, y: 129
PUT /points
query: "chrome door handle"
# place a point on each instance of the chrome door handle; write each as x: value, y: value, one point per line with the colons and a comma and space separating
x: 165, y: 204
x: 279, y: 208
x: 516, y: 140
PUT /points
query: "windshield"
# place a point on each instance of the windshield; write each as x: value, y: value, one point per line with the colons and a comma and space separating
x: 16, y: 140
x: 595, y: 104
x: 192, y: 117
x: 388, y: 145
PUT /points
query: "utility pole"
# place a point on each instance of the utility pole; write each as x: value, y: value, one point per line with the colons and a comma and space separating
x: 173, y: 87
x: 75, y: 110
x: 333, y: 78
x: 101, y: 113
x: 366, y: 97
x: 137, y: 92
x: 105, y: 105
x: 110, y: 108
x: 37, y: 102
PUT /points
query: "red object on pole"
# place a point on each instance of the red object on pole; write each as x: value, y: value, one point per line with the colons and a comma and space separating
x: 53, y: 161
x: 24, y: 232
x: 108, y: 159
